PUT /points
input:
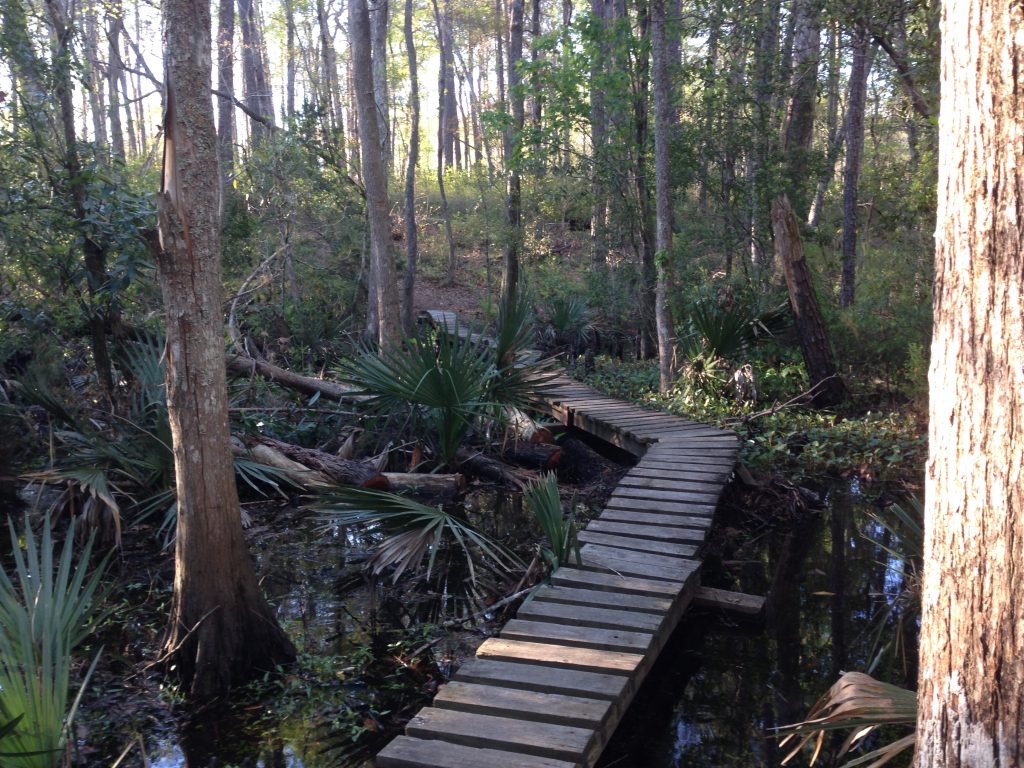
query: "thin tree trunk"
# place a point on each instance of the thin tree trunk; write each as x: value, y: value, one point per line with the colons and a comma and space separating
x: 380, y: 17
x: 599, y: 247
x: 129, y: 117
x: 566, y: 53
x: 499, y: 66
x: 834, y: 137
x: 221, y: 630
x: 94, y: 82
x: 258, y: 97
x: 384, y: 293
x: 799, y: 130
x: 643, y: 222
x: 114, y: 69
x: 829, y: 389
x: 663, y: 123
x: 409, y: 286
x: 290, y: 58
x: 442, y: 136
x: 854, y: 151
x: 226, y: 84
x: 513, y: 138
x: 970, y: 708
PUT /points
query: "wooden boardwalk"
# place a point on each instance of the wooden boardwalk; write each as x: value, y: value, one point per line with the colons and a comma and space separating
x: 550, y: 691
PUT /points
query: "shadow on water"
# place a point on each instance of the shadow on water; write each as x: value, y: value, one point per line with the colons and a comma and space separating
x: 719, y: 688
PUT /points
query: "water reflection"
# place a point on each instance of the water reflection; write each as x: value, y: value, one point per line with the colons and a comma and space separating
x: 719, y: 688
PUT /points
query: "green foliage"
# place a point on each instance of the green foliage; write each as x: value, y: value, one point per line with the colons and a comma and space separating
x: 414, y: 531
x: 559, y: 530
x: 47, y: 607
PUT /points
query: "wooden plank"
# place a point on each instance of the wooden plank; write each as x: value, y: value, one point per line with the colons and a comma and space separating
x: 690, y: 460
x: 565, y: 657
x: 719, y: 471
x: 645, y: 533
x: 624, y: 640
x: 745, y: 605
x: 561, y: 742
x: 627, y: 563
x: 526, y: 705
x: 610, y: 582
x: 643, y: 517
x: 590, y: 616
x: 649, y: 505
x: 651, y: 546
x: 407, y: 752
x: 706, y: 496
x: 531, y: 677
x: 622, y: 601
x: 683, y: 481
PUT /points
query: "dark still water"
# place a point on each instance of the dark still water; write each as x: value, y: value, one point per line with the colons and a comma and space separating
x: 836, y: 580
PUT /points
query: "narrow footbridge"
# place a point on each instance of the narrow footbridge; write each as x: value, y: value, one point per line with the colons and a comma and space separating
x: 550, y: 691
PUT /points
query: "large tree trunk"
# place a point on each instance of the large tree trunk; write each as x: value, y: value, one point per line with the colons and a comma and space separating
x: 970, y: 708
x: 663, y: 122
x: 384, y: 293
x: 789, y: 251
x: 221, y: 629
x: 513, y: 140
x: 409, y: 286
x: 854, y: 151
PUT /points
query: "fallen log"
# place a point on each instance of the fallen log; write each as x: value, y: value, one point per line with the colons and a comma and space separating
x: 532, y: 455
x: 335, y: 468
x: 522, y: 427
x: 445, y: 486
x: 479, y: 465
x: 307, y: 385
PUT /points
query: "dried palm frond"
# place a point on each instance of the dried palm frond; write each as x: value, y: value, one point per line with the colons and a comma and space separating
x: 860, y: 702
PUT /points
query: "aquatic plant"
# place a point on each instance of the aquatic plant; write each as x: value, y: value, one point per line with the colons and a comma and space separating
x: 559, y: 530
x: 46, y: 609
x: 859, y: 702
x: 414, y: 531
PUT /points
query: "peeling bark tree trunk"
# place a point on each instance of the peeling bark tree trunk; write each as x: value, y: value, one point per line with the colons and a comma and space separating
x: 970, y: 708
x: 789, y: 251
x: 384, y: 293
x: 222, y: 630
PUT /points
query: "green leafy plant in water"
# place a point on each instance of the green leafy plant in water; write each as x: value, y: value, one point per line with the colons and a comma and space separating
x: 861, y: 703
x: 559, y: 530
x: 46, y: 609
x: 414, y: 531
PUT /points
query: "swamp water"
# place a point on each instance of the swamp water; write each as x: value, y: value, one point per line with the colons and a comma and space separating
x: 717, y: 690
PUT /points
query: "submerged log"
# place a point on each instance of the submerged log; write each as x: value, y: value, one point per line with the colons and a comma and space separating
x: 532, y: 455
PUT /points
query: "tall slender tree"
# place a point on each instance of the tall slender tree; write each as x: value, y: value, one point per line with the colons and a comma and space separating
x: 513, y: 139
x: 411, y: 242
x: 854, y: 128
x: 970, y: 707
x: 221, y: 630
x: 383, y: 291
x: 663, y: 123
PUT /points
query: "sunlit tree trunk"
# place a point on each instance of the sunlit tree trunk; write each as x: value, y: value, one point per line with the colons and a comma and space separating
x: 258, y: 97
x: 803, y: 90
x: 854, y: 129
x: 380, y: 17
x: 221, y: 631
x: 409, y: 285
x: 92, y: 75
x: 383, y: 291
x: 290, y: 57
x: 114, y: 68
x: 663, y: 122
x: 970, y: 707
x: 443, y: 158
x: 833, y: 136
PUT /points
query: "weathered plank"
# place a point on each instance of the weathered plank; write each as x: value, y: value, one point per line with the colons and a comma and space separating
x: 649, y: 505
x: 532, y: 677
x: 622, y: 601
x: 407, y: 752
x: 562, y: 742
x: 717, y: 472
x: 624, y: 640
x: 646, y: 532
x: 527, y: 705
x: 644, y: 517
x: 652, y: 546
x: 628, y: 563
x: 590, y: 616
x: 611, y: 582
x: 551, y: 655
x: 704, y: 496
x: 739, y: 603
x: 685, y: 481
